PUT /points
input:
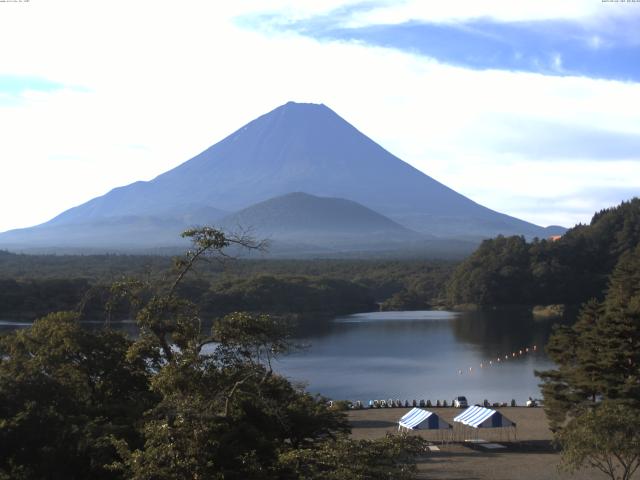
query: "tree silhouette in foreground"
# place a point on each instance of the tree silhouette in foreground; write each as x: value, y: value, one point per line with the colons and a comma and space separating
x: 592, y: 398
x: 176, y: 402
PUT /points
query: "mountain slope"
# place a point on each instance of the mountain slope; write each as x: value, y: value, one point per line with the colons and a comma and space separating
x: 294, y: 148
x: 111, y: 233
x: 300, y: 216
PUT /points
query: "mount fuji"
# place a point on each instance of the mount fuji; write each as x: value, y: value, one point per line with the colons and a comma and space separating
x: 302, y: 148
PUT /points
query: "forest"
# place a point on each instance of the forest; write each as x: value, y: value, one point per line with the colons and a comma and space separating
x: 502, y: 271
x: 33, y: 285
x: 78, y: 403
x: 570, y: 270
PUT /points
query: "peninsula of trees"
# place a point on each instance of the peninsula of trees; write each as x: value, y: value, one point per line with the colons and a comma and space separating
x: 569, y: 270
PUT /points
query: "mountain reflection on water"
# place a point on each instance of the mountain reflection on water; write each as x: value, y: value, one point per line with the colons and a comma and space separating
x: 423, y: 355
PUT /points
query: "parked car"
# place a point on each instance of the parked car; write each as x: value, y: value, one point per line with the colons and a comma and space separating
x: 460, y: 402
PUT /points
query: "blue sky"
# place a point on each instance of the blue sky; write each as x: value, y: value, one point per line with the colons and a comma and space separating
x: 527, y: 107
x: 607, y: 49
x: 13, y: 87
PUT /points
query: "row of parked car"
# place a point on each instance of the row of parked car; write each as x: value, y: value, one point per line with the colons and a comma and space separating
x: 458, y: 402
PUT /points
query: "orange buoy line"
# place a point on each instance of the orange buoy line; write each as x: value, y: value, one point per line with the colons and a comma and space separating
x: 500, y: 358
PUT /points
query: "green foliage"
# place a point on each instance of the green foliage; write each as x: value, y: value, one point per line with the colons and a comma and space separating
x: 575, y: 383
x: 593, y: 397
x: 391, y: 457
x: 64, y: 393
x: 35, y: 298
x: 606, y: 438
x: 599, y: 356
x: 568, y: 271
x: 176, y: 402
x: 33, y: 285
x: 494, y: 274
x: 288, y: 294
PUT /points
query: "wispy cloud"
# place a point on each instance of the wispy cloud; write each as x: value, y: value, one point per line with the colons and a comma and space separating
x: 17, y: 89
x: 538, y: 139
x: 173, y: 81
x: 16, y: 84
x: 606, y: 48
x: 572, y: 205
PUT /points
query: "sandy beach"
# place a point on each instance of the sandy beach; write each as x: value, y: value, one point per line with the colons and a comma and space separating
x: 530, y: 456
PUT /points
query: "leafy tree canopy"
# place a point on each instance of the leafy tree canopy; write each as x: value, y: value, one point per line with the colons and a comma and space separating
x: 176, y: 402
x: 592, y: 398
x: 570, y: 270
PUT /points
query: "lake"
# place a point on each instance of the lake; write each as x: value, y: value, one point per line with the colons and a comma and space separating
x: 415, y: 355
x: 424, y: 355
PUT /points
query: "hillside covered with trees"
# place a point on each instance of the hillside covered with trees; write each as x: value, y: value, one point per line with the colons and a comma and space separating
x: 34, y: 285
x: 570, y: 270
x: 592, y: 396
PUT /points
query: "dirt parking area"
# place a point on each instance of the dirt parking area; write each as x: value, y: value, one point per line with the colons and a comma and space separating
x: 528, y: 456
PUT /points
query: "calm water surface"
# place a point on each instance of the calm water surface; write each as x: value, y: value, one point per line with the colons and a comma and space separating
x: 419, y: 355
x: 414, y: 355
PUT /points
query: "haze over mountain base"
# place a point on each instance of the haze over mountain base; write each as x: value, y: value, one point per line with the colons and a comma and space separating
x: 299, y: 175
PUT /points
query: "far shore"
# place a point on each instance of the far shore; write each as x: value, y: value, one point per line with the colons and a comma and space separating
x: 531, y: 456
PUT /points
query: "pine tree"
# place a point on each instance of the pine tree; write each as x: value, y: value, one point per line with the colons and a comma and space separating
x: 593, y: 397
x: 620, y: 336
x: 575, y: 383
x: 598, y: 357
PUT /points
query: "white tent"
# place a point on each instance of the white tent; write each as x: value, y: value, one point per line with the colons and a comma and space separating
x: 480, y: 417
x: 418, y: 419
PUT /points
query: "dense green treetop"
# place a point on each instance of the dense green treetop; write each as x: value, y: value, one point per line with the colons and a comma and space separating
x: 592, y: 396
x: 599, y: 356
x: 178, y: 401
x: 32, y: 286
x: 570, y: 270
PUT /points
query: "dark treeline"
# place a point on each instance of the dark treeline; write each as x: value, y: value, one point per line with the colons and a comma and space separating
x: 97, y: 268
x: 78, y: 403
x: 502, y: 271
x: 33, y: 285
x: 287, y: 294
x: 571, y: 270
x: 592, y: 395
x: 29, y: 299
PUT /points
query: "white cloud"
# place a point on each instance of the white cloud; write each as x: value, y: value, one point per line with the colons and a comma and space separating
x: 461, y: 10
x: 595, y: 42
x: 161, y: 81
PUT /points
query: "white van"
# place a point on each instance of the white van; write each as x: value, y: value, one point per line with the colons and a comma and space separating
x: 460, y: 402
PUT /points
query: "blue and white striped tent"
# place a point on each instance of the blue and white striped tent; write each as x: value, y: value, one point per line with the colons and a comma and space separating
x: 419, y: 419
x: 480, y: 417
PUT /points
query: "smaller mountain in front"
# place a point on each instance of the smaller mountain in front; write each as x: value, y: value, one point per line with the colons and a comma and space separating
x: 302, y: 222
x: 356, y: 190
x: 301, y: 216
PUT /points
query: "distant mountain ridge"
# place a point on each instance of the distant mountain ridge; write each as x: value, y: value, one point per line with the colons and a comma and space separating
x: 300, y: 216
x: 294, y: 148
